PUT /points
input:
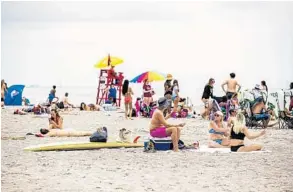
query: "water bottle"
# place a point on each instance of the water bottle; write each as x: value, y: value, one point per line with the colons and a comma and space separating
x: 146, y: 141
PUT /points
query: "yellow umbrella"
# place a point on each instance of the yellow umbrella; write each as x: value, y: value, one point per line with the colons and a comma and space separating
x: 108, y: 61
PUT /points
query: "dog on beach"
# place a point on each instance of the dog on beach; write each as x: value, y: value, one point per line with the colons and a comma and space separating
x: 124, y: 136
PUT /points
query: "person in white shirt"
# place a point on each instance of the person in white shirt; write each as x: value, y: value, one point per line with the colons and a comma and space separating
x: 66, y: 102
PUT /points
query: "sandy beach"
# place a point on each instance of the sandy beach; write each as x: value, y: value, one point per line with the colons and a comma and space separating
x: 134, y: 170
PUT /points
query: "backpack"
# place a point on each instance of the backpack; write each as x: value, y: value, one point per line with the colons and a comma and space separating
x: 101, y: 135
x: 60, y: 105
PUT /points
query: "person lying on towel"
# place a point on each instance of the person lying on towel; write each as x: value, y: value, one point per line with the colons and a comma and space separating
x: 63, y: 133
x: 238, y: 132
x: 89, y: 107
x: 218, y: 134
x: 159, y: 126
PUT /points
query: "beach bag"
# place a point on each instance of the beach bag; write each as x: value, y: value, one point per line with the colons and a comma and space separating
x: 60, y: 105
x: 184, y: 113
x: 101, y: 135
x: 133, y: 113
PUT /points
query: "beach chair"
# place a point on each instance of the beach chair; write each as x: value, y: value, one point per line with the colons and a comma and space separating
x: 215, y: 107
x: 253, y: 120
x: 285, y: 122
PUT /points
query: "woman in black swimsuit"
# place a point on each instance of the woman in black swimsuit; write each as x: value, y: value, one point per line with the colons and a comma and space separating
x: 238, y: 132
x: 207, y: 94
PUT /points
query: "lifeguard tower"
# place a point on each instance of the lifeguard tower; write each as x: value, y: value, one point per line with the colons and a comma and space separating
x: 105, y: 81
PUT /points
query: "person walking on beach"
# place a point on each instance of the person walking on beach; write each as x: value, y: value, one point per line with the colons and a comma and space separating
x: 231, y: 86
x: 175, y: 96
x: 127, y: 93
x: 168, y: 91
x: 3, y: 91
x: 238, y: 132
x: 207, y: 94
x: 52, y: 94
x: 159, y: 126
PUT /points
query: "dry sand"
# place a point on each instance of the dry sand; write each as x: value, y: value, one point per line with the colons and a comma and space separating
x: 134, y: 170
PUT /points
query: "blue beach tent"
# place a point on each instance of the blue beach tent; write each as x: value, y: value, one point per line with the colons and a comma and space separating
x: 13, y: 96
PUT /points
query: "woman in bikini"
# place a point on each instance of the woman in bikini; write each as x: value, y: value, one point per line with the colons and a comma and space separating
x: 238, y: 132
x: 147, y: 93
x: 218, y: 134
x: 175, y: 95
x: 159, y: 126
x: 127, y: 93
x: 56, y: 121
x: 3, y: 90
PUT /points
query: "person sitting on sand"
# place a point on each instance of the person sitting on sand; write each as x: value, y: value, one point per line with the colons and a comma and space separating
x: 89, y: 107
x: 63, y: 133
x: 25, y: 101
x: 159, y: 126
x: 232, y: 116
x: 66, y: 103
x: 218, y: 134
x: 56, y: 121
x: 238, y: 132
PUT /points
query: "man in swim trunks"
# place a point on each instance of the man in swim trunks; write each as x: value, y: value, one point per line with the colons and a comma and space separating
x: 231, y: 86
x: 159, y: 126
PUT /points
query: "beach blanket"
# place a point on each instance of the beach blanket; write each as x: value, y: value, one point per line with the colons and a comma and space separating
x: 206, y: 149
x: 44, y: 115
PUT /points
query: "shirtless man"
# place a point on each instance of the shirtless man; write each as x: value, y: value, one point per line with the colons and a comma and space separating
x: 231, y: 86
x: 64, y: 133
x: 258, y: 109
x: 160, y: 128
x: 3, y: 90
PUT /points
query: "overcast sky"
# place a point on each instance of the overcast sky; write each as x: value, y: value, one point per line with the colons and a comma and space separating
x: 49, y: 43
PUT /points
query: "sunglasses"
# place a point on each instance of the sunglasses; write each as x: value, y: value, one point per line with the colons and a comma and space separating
x: 216, y: 115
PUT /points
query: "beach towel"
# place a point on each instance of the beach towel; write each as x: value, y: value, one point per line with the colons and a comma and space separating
x: 206, y: 149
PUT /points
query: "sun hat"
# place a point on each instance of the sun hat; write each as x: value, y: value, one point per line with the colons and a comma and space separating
x: 219, y: 113
x: 257, y: 86
x: 169, y: 77
x: 163, y: 102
